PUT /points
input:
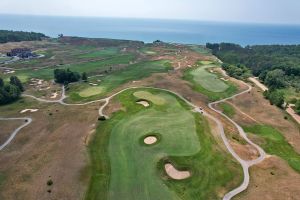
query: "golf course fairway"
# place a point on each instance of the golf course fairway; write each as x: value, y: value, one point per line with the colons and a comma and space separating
x: 124, y: 167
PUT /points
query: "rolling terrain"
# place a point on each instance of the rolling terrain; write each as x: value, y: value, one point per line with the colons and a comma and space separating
x: 151, y: 121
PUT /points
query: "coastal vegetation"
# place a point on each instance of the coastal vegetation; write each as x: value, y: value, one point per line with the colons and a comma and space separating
x: 18, y: 36
x: 277, y: 66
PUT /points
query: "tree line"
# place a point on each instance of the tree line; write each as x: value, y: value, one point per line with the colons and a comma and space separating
x: 18, y: 36
x: 277, y: 66
x: 10, y: 92
x: 66, y: 76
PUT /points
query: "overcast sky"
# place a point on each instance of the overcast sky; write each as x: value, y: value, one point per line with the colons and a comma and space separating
x: 270, y: 11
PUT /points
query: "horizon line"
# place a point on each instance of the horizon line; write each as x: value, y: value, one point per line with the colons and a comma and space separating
x: 166, y: 19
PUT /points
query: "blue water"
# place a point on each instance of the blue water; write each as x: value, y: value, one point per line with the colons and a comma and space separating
x: 179, y: 31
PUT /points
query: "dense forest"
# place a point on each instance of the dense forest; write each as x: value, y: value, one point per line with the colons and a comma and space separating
x: 18, y: 36
x: 277, y: 66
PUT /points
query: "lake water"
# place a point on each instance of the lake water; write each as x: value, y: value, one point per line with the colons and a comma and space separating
x: 178, y: 31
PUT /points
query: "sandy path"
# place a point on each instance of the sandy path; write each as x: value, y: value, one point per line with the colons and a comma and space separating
x: 259, y: 84
x: 16, y: 131
x: 291, y: 112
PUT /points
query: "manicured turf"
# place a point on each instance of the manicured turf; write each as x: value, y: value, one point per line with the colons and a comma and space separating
x: 101, y: 53
x: 208, y: 80
x: 227, y: 109
x: 88, y: 67
x: 276, y: 144
x: 208, y: 83
x: 149, y: 96
x: 117, y: 78
x: 123, y: 167
x: 91, y: 91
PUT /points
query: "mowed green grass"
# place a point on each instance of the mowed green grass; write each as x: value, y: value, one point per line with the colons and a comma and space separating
x: 208, y: 83
x: 122, y: 167
x: 275, y: 144
x: 117, y: 78
x: 227, y: 109
x: 91, y: 91
x: 101, y: 53
x: 88, y: 67
x: 208, y: 80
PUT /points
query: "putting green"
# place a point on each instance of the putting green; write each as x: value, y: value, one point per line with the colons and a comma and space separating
x: 149, y: 96
x: 208, y: 80
x: 123, y: 167
x: 91, y: 91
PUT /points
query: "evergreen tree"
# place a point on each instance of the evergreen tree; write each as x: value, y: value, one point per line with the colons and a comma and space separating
x: 16, y: 81
x: 84, y: 77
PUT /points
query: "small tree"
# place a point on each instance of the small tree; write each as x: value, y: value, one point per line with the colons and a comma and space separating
x: 84, y: 77
x: 16, y: 81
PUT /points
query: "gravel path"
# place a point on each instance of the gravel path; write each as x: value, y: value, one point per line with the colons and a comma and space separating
x: 27, y: 121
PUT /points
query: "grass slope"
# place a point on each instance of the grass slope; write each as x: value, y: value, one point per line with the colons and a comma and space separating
x: 123, y: 167
x: 116, y: 78
x: 227, y: 109
x: 275, y: 144
x: 207, y: 83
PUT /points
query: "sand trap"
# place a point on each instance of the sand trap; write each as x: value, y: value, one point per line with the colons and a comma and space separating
x: 54, y: 95
x: 9, y: 72
x: 150, y: 140
x: 175, y: 174
x: 29, y: 110
x: 144, y: 103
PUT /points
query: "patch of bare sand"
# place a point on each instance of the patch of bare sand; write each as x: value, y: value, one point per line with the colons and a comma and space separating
x: 150, y: 140
x: 28, y: 110
x: 143, y: 103
x: 176, y: 174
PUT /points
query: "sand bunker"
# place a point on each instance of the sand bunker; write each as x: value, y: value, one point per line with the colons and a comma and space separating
x: 54, y: 95
x: 150, y: 140
x: 144, y: 103
x: 175, y: 174
x: 29, y: 110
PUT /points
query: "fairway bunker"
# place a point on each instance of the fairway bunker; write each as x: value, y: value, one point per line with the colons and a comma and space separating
x: 176, y: 174
x: 143, y: 102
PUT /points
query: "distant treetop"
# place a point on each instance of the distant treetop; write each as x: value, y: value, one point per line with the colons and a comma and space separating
x: 18, y: 36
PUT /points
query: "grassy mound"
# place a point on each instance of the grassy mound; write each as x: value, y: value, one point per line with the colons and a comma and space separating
x: 275, y: 144
x: 124, y: 168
